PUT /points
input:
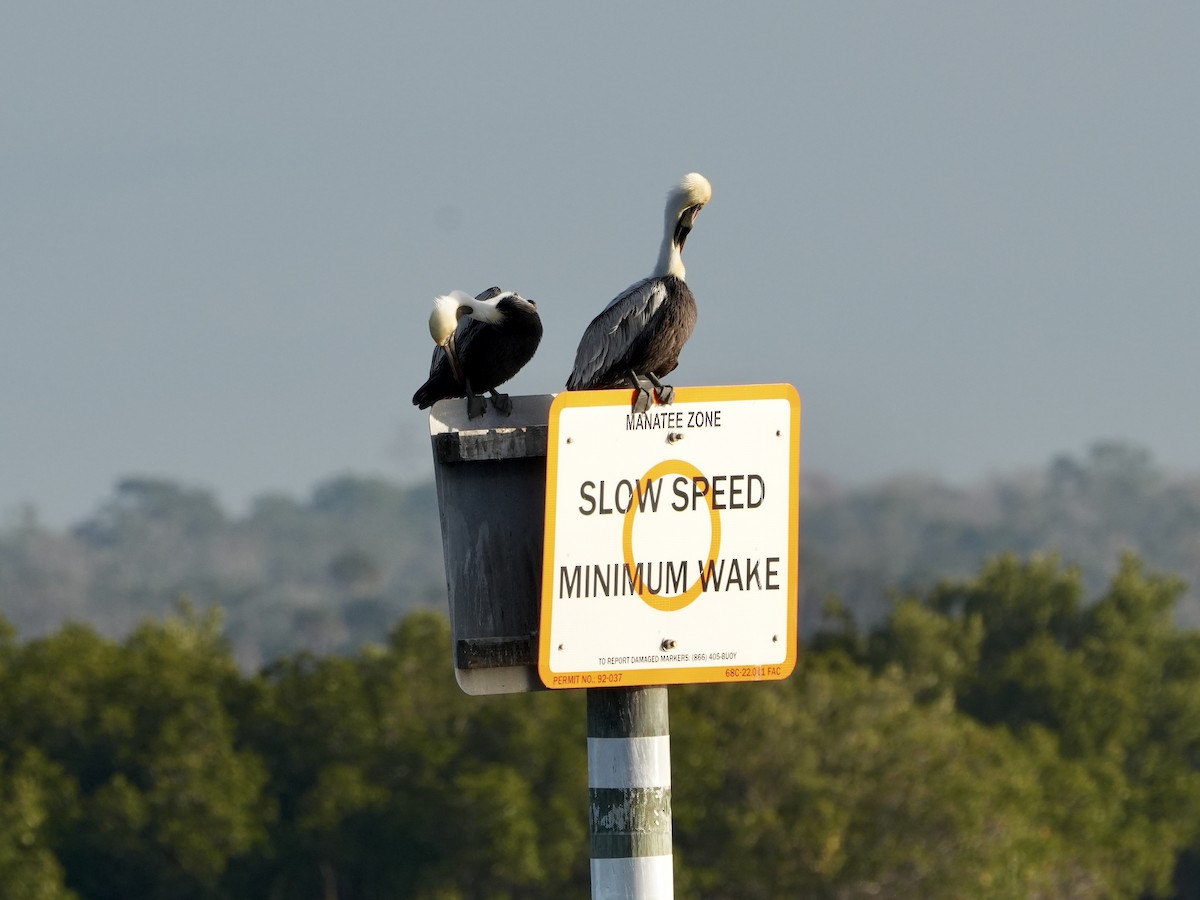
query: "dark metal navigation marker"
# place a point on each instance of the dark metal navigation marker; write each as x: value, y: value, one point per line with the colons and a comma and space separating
x: 491, y: 484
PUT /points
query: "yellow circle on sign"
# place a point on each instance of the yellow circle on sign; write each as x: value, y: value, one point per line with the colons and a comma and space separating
x: 671, y: 603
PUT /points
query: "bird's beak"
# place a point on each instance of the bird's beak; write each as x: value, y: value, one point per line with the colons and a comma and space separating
x: 452, y: 355
x: 462, y: 311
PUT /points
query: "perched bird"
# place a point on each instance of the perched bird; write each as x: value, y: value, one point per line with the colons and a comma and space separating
x: 481, y: 343
x: 640, y: 333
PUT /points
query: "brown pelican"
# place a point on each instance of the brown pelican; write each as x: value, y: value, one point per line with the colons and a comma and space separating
x: 481, y: 343
x: 641, y: 332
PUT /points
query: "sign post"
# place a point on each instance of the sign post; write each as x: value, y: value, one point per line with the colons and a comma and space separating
x: 629, y: 793
x: 671, y: 556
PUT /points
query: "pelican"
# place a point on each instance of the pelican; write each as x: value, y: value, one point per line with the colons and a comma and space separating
x: 640, y: 333
x: 482, y: 342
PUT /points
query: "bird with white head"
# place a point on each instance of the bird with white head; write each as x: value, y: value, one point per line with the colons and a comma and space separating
x: 642, y: 331
x: 482, y: 342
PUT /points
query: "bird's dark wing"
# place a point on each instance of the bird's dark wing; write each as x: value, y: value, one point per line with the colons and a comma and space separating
x: 440, y: 360
x: 611, y: 334
x: 442, y: 382
x: 468, y: 329
x: 464, y: 334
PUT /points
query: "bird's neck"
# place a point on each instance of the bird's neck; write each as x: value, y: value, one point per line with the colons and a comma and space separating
x: 486, y: 312
x: 670, y: 256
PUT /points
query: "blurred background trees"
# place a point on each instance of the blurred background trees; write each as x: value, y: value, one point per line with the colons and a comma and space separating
x: 1002, y: 735
x: 1002, y: 700
x: 332, y: 572
x: 325, y: 575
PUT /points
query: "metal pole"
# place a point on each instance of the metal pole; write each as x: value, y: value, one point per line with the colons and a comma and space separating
x: 629, y: 793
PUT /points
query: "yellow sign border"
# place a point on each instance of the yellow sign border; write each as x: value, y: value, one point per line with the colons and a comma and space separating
x: 674, y: 675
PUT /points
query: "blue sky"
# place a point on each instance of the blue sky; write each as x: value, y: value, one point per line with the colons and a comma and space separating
x: 967, y: 233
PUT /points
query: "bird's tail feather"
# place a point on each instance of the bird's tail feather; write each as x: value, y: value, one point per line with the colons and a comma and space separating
x: 425, y: 396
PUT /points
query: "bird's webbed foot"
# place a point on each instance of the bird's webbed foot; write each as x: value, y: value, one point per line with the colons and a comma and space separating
x: 666, y: 393
x: 644, y: 398
x: 476, y: 405
x: 502, y: 403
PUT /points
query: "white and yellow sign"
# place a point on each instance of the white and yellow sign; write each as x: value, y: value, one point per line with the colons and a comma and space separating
x: 672, y: 538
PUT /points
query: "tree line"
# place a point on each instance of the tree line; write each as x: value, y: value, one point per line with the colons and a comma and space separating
x: 1009, y: 734
x: 332, y: 571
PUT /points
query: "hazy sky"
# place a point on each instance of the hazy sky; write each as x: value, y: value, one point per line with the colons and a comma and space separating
x: 968, y: 233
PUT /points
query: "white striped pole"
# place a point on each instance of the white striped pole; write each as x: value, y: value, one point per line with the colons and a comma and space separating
x: 629, y: 793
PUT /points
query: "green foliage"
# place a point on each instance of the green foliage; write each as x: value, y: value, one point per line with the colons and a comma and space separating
x: 29, y: 870
x: 391, y: 782
x: 162, y: 799
x: 841, y: 784
x: 8, y: 636
x: 1107, y: 693
x: 998, y: 736
x: 1029, y: 730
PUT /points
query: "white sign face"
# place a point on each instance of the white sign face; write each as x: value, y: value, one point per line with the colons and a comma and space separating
x: 672, y: 538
